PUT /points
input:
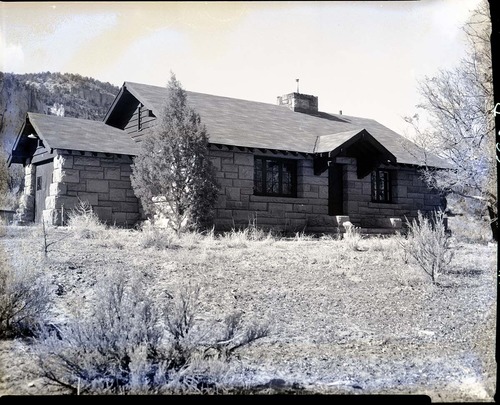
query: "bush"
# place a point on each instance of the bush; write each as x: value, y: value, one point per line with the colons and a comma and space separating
x: 84, y: 221
x: 155, y: 237
x: 428, y: 244
x: 352, y: 236
x: 24, y: 296
x: 129, y: 344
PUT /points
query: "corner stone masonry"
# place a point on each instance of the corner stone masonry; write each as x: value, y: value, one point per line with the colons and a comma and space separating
x: 101, y: 180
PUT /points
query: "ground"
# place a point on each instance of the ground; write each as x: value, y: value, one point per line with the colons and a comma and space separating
x: 346, y: 318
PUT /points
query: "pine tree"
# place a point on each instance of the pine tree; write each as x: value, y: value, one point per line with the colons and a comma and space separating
x: 173, y: 176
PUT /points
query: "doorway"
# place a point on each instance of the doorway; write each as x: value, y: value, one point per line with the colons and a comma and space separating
x: 335, y: 189
x: 43, y: 179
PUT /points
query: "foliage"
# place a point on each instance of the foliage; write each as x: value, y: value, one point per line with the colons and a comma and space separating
x: 24, y: 294
x: 352, y: 236
x: 173, y: 176
x: 130, y: 344
x: 84, y: 222
x: 458, y: 103
x: 11, y: 179
x: 155, y: 236
x: 428, y: 243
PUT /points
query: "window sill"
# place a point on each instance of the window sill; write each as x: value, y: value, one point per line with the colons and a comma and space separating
x: 267, y: 198
x: 380, y: 204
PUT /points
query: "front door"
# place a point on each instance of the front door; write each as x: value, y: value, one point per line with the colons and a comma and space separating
x: 43, y: 179
x: 335, y: 189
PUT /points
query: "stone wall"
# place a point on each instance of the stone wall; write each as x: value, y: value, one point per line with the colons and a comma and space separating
x: 409, y: 195
x: 101, y: 180
x: 238, y: 207
x: 25, y: 214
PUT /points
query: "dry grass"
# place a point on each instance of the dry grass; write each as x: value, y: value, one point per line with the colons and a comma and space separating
x: 340, y: 318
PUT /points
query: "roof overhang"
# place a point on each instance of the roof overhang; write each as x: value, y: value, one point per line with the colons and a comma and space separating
x: 359, y: 144
x: 26, y: 142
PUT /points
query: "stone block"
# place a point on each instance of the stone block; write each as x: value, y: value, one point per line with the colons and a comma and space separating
x: 245, y: 159
x: 229, y: 168
x: 224, y: 213
x: 58, y: 188
x: 280, y: 207
x: 117, y: 194
x: 320, y: 209
x: 246, y: 172
x: 216, y: 161
x: 304, y: 208
x: 86, y: 161
x: 76, y: 186
x: 94, y: 175
x: 119, y: 184
x: 105, y: 214
x: 238, y: 205
x: 233, y: 193
x: 213, y: 152
x: 228, y: 159
x: 99, y: 186
x: 119, y: 218
x: 255, y: 206
x: 67, y: 201
x: 112, y: 173
x: 323, y: 192
x: 129, y: 207
x: 129, y: 193
x: 243, y: 183
x: 91, y: 198
x: 246, y: 191
x: 230, y: 175
x: 221, y: 201
x: 50, y: 202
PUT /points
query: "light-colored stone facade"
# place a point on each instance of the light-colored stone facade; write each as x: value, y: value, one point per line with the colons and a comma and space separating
x: 101, y: 180
x: 104, y: 182
x: 308, y: 212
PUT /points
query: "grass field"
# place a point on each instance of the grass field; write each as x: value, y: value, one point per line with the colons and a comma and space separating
x: 344, y: 317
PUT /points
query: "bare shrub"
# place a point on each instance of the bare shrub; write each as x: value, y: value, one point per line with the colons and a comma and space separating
x: 84, y: 221
x: 156, y: 237
x: 236, y: 335
x: 119, y: 341
x: 130, y: 345
x: 428, y: 244
x: 24, y: 294
x: 352, y: 236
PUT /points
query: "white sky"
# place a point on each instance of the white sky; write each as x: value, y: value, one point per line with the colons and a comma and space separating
x: 361, y: 57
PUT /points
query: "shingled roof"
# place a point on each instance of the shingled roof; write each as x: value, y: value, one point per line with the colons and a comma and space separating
x: 78, y: 134
x: 253, y: 124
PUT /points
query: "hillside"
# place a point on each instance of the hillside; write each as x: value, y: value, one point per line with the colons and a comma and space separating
x: 65, y: 94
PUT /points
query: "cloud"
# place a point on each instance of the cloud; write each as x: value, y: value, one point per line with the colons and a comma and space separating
x: 13, y: 59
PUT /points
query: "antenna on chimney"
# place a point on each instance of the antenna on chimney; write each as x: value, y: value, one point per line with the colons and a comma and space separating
x: 297, y: 80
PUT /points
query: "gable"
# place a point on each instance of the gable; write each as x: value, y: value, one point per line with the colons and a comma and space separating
x: 70, y: 134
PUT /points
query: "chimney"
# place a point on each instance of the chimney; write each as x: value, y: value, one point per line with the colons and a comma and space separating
x: 299, y: 102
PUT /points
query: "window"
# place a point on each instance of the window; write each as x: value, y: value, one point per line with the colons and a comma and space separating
x: 275, y: 177
x: 38, y: 183
x: 381, y: 186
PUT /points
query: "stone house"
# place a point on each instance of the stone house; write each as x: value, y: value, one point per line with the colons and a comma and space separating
x: 286, y: 166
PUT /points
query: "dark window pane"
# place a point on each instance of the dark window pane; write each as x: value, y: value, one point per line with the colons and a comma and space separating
x: 258, y: 186
x: 38, y: 183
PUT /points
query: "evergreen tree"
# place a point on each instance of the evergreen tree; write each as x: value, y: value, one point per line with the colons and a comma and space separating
x: 173, y: 176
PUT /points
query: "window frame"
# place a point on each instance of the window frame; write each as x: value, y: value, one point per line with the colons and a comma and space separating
x: 388, y: 184
x: 263, y: 179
